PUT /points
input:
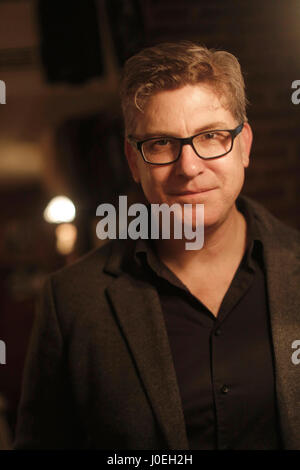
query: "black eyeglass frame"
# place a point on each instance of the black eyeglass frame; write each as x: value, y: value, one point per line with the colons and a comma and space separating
x: 187, y: 140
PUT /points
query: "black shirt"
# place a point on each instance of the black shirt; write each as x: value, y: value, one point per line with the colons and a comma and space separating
x: 224, y: 365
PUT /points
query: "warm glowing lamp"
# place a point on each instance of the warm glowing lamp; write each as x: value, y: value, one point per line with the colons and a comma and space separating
x: 60, y: 209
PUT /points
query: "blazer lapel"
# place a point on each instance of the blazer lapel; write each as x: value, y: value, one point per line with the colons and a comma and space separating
x: 283, y: 281
x: 138, y: 309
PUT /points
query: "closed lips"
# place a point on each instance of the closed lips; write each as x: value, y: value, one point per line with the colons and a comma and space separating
x: 183, y: 193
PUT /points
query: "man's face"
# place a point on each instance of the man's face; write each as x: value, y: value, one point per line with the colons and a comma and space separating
x: 215, y: 183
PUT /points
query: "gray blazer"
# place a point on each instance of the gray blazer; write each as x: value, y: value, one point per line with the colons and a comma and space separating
x: 99, y: 372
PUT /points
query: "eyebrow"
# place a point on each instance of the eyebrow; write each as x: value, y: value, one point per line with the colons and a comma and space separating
x: 208, y: 127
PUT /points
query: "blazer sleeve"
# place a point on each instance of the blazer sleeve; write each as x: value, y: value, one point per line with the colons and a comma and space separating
x: 47, y: 415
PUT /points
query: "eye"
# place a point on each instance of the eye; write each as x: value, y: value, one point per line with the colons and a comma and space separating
x: 210, y: 135
x: 161, y: 142
x: 158, y: 145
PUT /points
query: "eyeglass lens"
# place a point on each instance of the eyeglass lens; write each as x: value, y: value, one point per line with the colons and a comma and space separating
x: 207, y: 145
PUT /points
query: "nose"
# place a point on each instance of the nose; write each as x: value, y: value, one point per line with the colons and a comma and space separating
x: 189, y: 164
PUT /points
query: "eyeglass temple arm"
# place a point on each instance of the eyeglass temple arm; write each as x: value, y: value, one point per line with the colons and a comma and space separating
x: 132, y: 141
x: 238, y: 129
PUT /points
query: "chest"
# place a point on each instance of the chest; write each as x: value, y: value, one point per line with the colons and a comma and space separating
x: 211, y: 294
x: 210, y: 285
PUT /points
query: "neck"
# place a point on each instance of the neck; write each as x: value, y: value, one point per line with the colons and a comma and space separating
x: 221, y: 243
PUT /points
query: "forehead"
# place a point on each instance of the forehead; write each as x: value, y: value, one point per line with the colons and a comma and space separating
x: 182, y: 112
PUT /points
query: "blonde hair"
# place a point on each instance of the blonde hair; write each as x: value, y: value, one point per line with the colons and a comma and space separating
x: 170, y: 66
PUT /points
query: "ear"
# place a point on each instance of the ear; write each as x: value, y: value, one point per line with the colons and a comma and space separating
x: 246, y: 143
x: 131, y: 155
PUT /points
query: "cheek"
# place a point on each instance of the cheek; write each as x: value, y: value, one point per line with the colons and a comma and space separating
x: 230, y: 174
x: 236, y: 180
x: 153, y: 181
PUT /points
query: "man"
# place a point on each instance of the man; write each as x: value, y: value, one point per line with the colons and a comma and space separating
x: 143, y: 344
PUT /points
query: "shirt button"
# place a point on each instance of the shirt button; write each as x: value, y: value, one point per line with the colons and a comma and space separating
x: 225, y: 389
x: 217, y: 332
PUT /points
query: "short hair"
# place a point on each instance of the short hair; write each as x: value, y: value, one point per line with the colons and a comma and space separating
x: 169, y: 66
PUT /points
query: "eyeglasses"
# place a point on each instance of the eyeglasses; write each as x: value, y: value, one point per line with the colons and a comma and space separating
x: 207, y: 145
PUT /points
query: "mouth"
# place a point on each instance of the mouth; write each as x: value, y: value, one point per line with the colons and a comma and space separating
x: 193, y: 193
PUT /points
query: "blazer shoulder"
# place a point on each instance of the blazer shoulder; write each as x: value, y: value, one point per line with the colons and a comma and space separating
x: 79, y: 289
x: 271, y: 227
x: 93, y: 260
x: 96, y: 268
x: 94, y: 265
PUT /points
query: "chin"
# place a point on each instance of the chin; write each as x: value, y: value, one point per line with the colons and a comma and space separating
x: 216, y: 216
x: 213, y: 215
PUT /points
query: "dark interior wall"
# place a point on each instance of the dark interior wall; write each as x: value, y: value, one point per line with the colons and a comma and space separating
x: 265, y: 37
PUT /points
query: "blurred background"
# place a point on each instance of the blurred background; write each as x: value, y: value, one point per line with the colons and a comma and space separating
x: 61, y: 131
